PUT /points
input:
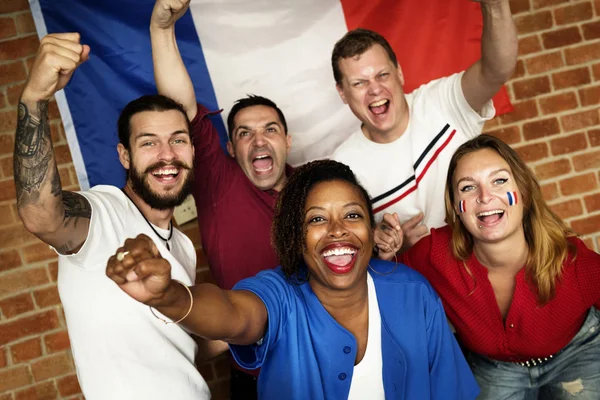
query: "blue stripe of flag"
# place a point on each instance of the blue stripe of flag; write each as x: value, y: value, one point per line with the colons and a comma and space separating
x: 119, y: 70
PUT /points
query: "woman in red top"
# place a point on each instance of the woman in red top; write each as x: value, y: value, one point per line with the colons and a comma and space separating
x: 520, y: 289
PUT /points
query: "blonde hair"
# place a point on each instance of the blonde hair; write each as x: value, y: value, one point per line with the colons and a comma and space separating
x: 546, y: 234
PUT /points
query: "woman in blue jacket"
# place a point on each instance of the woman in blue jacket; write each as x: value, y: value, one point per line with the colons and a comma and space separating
x: 331, y: 322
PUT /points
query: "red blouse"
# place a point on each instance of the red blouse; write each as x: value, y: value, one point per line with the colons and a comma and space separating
x: 530, y: 330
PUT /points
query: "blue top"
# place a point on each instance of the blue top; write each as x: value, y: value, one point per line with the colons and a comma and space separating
x: 306, y: 354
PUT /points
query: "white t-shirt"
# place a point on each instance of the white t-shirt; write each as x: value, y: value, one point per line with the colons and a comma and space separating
x: 121, y: 351
x: 408, y: 175
x: 367, y: 378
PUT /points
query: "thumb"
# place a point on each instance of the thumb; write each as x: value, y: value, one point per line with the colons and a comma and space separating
x: 414, y: 221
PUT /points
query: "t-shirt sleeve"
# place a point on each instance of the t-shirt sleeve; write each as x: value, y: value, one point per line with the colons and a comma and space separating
x: 448, y: 97
x: 450, y: 375
x: 587, y: 264
x: 272, y: 288
x: 109, y: 213
x: 212, y: 164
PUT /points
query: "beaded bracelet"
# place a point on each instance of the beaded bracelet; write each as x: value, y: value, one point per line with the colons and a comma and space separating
x: 188, y: 311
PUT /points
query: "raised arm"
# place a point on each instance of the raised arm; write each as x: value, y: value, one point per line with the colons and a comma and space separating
x: 170, y: 74
x: 499, y: 47
x: 57, y: 217
x: 237, y: 316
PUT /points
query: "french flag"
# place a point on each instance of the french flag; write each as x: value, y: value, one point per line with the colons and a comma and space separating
x: 280, y: 49
x: 512, y: 198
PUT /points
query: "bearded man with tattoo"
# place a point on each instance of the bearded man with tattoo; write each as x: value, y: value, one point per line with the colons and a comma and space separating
x: 121, y: 350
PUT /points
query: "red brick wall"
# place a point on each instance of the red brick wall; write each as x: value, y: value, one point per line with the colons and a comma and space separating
x: 555, y: 127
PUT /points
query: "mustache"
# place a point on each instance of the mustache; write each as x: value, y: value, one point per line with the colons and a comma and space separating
x: 161, y: 164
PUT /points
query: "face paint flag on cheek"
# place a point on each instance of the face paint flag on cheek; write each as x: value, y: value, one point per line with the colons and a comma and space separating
x: 512, y: 198
x: 462, y: 206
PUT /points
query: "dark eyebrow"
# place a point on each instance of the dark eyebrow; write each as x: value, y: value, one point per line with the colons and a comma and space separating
x: 468, y: 178
x: 149, y: 134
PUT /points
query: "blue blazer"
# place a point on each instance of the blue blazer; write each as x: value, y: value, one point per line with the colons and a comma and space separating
x: 306, y: 354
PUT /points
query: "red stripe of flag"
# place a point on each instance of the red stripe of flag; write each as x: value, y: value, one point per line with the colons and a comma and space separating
x: 431, y: 38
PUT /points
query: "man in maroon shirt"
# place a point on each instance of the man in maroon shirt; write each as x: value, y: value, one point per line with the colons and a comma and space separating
x: 235, y: 195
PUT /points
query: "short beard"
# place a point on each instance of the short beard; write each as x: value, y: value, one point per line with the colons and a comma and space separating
x: 140, y: 185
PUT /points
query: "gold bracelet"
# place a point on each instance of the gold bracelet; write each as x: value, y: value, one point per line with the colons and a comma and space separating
x: 186, y: 314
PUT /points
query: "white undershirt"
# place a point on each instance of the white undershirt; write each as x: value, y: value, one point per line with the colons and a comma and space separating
x: 367, y: 379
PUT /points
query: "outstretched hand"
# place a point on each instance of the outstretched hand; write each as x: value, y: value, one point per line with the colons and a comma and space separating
x: 140, y: 271
x: 167, y: 12
x: 388, y: 236
x: 57, y: 59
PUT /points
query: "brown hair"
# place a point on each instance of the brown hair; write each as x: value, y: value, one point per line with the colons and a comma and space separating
x: 546, y: 234
x: 355, y: 43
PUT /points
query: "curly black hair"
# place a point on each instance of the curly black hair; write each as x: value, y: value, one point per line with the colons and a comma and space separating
x: 288, y: 229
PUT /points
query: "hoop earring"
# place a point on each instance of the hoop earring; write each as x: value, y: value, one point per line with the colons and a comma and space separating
x: 388, y: 273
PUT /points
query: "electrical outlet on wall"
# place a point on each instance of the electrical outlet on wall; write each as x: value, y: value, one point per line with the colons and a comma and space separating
x: 186, y: 211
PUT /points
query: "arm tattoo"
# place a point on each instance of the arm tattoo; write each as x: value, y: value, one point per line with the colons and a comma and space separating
x: 76, y: 206
x: 33, y: 155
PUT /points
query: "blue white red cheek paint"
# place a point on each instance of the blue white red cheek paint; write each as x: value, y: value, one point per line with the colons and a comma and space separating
x: 462, y: 206
x: 512, y: 198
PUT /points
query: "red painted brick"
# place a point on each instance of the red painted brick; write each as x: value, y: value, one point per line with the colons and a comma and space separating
x: 57, y: 341
x: 6, y: 166
x: 529, y: 44
x: 13, y: 93
x: 14, y: 235
x: 13, y: 378
x: 519, y: 6
x: 522, y: 111
x: 568, y: 209
x: 38, y: 252
x: 568, y: 144
x: 27, y: 350
x: 573, y: 13
x: 578, y: 184
x: 547, y: 3
x: 7, y: 144
x: 15, y: 305
x: 8, y: 120
x: 591, y: 30
x: 550, y: 191
x: 27, y: 326
x: 589, y: 96
x: 51, y: 366
x: 594, y: 136
x: 561, y: 37
x: 19, y: 47
x: 519, y: 70
x: 42, y: 391
x: 9, y: 259
x: 9, y: 6
x: 553, y: 169
x: 527, y: 88
x: 532, y: 152
x: 573, y: 77
x: 8, y: 28
x: 582, y: 54
x: 580, y: 120
x: 589, y: 160
x: 7, y: 191
x: 25, y: 23
x: 46, y: 297
x: 541, y: 128
x: 16, y: 281
x: 592, y: 202
x: 558, y: 103
x: 3, y: 360
x: 53, y: 271
x: 68, y: 385
x: 533, y: 22
x: 587, y: 225
x: 544, y: 62
x: 508, y: 135
x: 6, y: 215
x: 596, y: 71
x: 62, y: 154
